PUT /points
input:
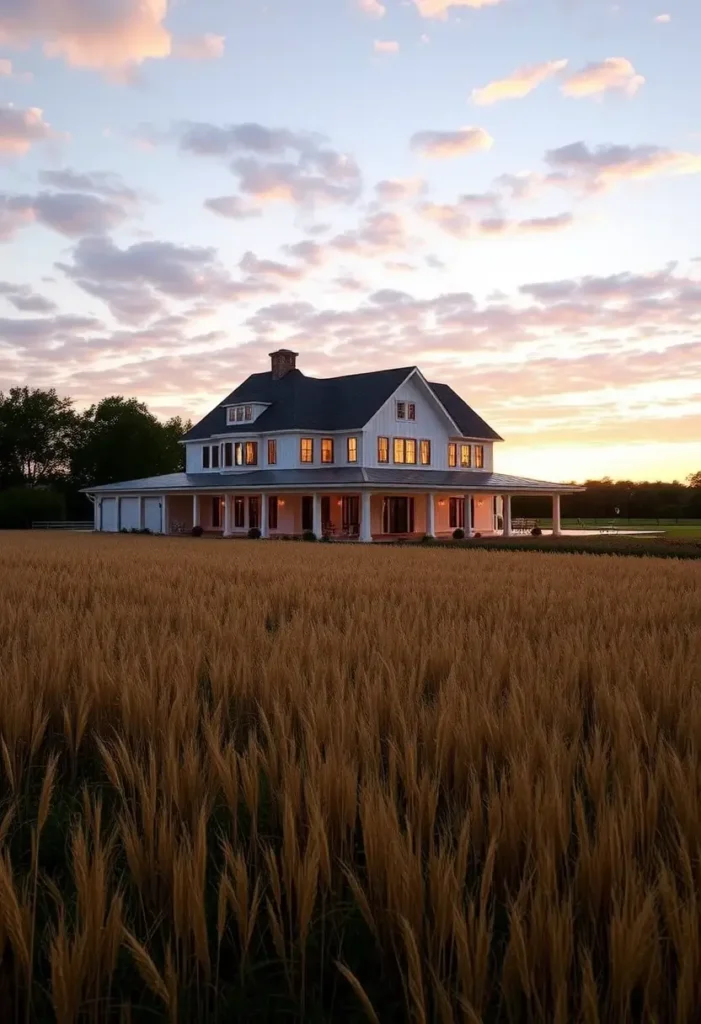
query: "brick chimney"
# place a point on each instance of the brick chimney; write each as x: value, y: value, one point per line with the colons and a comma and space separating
x: 282, y: 361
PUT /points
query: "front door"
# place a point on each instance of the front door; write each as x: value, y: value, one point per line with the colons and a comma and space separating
x: 307, y: 512
x: 254, y: 513
x: 398, y: 515
x: 350, y: 509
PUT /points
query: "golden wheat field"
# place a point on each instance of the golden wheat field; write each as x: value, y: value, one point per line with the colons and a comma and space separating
x: 250, y: 781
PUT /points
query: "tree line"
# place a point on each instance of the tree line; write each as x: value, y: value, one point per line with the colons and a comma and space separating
x: 49, y: 450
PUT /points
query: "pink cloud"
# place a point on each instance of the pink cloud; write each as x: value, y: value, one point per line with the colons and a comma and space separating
x: 615, y: 74
x: 107, y: 36
x: 663, y: 19
x: 440, y: 8
x: 373, y: 8
x: 446, y: 144
x: 394, y: 190
x: 20, y: 129
x: 592, y: 170
x: 204, y: 47
x: 232, y: 207
x: 387, y: 46
x: 517, y: 85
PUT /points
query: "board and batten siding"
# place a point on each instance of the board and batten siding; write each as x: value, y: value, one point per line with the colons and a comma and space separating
x: 430, y: 425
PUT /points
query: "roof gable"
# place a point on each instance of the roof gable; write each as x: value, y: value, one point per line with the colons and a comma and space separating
x: 464, y: 417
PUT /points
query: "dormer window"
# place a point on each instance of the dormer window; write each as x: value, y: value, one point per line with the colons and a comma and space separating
x: 406, y: 410
x: 239, y: 413
x: 401, y: 410
x: 410, y: 411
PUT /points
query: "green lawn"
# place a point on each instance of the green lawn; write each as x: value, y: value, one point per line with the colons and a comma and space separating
x: 688, y: 529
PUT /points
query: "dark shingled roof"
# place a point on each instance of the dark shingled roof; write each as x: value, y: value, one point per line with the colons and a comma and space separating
x: 343, y: 477
x: 297, y: 402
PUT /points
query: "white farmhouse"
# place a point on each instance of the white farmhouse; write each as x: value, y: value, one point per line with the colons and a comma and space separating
x: 368, y: 456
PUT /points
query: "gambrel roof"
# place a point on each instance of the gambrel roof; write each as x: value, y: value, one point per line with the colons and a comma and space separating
x: 298, y: 402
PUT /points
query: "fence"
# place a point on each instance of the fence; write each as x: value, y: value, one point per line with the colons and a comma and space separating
x: 81, y: 525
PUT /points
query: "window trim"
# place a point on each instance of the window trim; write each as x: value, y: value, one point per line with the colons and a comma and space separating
x: 272, y: 447
x: 452, y: 454
x: 352, y: 448
x: 380, y: 439
x: 422, y: 442
x: 329, y: 443
x: 310, y: 442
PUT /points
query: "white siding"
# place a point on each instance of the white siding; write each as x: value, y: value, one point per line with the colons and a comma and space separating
x: 152, y: 514
x: 430, y: 425
x: 129, y: 514
x: 109, y: 515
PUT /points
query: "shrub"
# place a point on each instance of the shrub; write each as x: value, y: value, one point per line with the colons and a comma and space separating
x: 477, y: 535
x: 145, y: 530
x: 309, y: 535
x: 536, y: 532
x: 427, y: 539
x: 326, y: 538
x: 458, y: 534
x: 124, y: 530
x: 254, y: 533
x: 197, y: 531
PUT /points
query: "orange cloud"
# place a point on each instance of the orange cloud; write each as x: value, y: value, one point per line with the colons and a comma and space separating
x: 104, y: 36
x: 441, y: 145
x: 20, y: 129
x: 205, y: 47
x: 517, y: 85
x: 615, y: 74
x: 595, y: 169
x: 440, y: 8
x: 388, y: 46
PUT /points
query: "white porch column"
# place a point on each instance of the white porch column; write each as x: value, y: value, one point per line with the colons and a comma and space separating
x: 119, y: 514
x: 468, y: 515
x: 557, y: 528
x: 141, y: 511
x: 164, y: 513
x: 430, y: 515
x: 227, y: 515
x: 366, y: 518
x: 98, y: 514
x: 317, y: 525
x: 195, y: 510
x: 264, y: 532
x: 507, y: 515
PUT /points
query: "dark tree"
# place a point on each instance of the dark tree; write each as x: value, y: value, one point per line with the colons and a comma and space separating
x: 119, y: 439
x: 37, y: 434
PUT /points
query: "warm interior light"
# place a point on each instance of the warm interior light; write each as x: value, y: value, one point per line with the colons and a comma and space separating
x: 442, y: 502
x: 339, y: 502
x: 281, y: 502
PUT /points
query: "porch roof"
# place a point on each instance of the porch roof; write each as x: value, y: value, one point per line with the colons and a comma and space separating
x: 331, y: 477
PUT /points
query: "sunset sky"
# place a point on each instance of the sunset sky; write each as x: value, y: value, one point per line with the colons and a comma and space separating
x: 506, y: 193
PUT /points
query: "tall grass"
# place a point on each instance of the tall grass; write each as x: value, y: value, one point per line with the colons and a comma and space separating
x: 264, y: 781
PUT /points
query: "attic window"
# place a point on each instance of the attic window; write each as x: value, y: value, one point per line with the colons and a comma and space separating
x: 401, y: 410
x: 239, y: 413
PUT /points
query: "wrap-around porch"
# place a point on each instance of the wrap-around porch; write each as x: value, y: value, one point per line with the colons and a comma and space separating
x: 363, y: 516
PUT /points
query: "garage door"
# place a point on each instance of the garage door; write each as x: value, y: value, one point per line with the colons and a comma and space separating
x: 152, y: 514
x: 109, y: 515
x: 130, y: 514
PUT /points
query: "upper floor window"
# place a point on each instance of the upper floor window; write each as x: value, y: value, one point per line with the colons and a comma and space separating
x: 352, y: 449
x: 246, y: 453
x: 272, y: 452
x: 411, y: 411
x: 465, y: 460
x: 479, y: 456
x: 383, y: 449
x: 239, y: 413
x: 452, y: 454
x: 306, y: 449
x: 205, y: 456
x: 327, y: 449
x: 215, y: 456
x: 405, y: 450
x: 228, y: 454
x: 425, y: 453
x: 401, y: 410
